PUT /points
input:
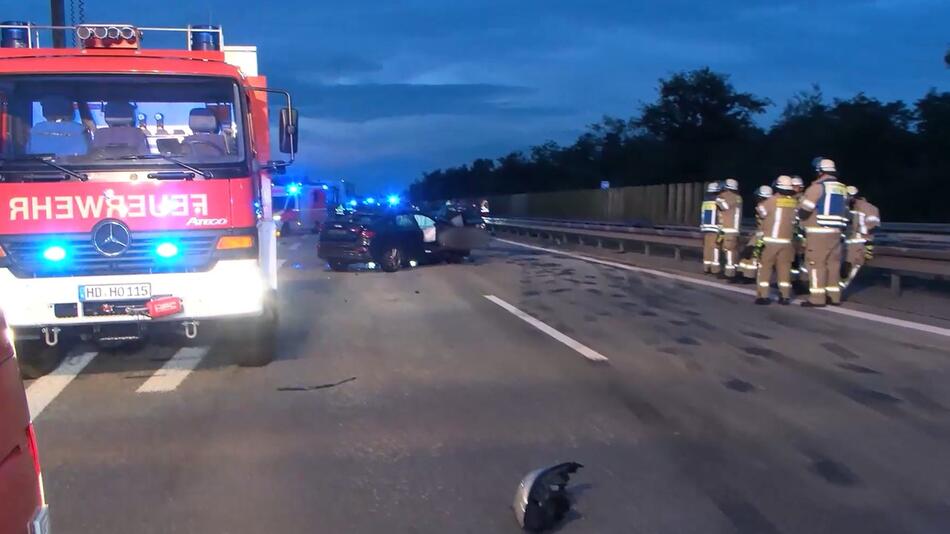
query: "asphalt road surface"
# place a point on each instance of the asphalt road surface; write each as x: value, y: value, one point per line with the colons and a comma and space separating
x: 411, y: 402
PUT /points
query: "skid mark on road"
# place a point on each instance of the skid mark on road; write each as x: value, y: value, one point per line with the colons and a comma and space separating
x: 42, y: 392
x: 175, y: 370
x: 931, y: 329
x: 577, y: 346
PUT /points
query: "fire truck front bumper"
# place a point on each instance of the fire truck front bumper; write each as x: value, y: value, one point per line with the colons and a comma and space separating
x: 231, y: 289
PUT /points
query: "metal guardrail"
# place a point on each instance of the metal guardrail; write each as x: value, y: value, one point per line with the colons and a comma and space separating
x: 900, y: 248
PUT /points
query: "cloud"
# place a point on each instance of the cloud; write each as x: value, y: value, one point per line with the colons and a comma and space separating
x: 363, y: 102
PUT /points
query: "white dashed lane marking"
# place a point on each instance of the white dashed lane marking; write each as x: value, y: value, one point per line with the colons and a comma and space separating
x: 175, y: 370
x: 579, y: 347
x: 45, y: 389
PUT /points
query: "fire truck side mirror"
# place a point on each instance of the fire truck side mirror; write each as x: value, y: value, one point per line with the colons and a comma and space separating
x: 288, y: 131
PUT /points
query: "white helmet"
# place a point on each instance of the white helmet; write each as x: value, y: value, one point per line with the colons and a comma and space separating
x: 764, y: 191
x: 797, y: 181
x: 714, y: 187
x: 852, y: 191
x: 785, y: 183
x: 732, y: 184
x: 826, y: 165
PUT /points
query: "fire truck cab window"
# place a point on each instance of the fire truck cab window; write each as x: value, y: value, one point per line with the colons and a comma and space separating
x: 105, y: 121
x: 60, y: 132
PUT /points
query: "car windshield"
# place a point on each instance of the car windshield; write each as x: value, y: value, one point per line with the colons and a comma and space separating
x: 85, y: 121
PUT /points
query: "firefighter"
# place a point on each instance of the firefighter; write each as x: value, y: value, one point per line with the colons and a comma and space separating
x: 865, y: 217
x: 778, y: 252
x: 749, y: 263
x: 709, y: 226
x: 823, y: 212
x: 730, y: 216
x: 798, y: 266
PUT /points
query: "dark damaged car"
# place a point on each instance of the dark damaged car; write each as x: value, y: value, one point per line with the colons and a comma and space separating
x: 393, y: 239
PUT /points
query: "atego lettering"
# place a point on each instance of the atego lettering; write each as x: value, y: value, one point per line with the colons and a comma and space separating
x: 195, y: 221
x: 53, y: 208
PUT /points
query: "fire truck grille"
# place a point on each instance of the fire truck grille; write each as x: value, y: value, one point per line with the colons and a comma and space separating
x: 26, y: 255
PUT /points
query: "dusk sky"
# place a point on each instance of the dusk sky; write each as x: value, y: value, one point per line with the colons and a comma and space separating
x: 389, y: 89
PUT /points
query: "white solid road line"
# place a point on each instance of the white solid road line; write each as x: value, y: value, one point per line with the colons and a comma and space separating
x: 175, y: 370
x: 883, y: 319
x: 581, y: 348
x: 42, y: 392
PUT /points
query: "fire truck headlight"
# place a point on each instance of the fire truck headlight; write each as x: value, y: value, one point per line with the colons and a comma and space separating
x: 167, y: 250
x: 54, y: 254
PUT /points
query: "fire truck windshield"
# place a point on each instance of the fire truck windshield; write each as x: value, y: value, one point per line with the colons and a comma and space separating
x: 106, y: 122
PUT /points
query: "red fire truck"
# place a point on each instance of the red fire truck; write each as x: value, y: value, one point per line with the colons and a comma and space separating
x: 135, y: 190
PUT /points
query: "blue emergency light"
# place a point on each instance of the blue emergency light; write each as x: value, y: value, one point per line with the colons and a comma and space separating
x: 392, y: 200
x: 54, y: 254
x: 293, y: 189
x: 353, y: 203
x: 166, y: 250
x: 370, y: 200
x: 205, y: 37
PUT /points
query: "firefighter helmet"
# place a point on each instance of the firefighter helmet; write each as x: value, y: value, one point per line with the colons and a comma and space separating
x: 785, y: 183
x: 826, y: 165
x: 797, y: 181
x: 714, y: 187
x: 764, y: 192
x: 732, y: 184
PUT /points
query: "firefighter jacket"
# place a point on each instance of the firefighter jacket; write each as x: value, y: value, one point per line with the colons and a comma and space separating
x: 826, y: 201
x: 865, y: 217
x: 709, y: 216
x: 778, y: 214
x: 730, y: 212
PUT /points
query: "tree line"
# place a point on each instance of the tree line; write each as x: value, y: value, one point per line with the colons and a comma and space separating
x: 701, y: 128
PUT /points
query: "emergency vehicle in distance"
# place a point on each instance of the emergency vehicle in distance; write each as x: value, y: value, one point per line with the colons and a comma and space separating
x: 301, y: 205
x: 135, y: 190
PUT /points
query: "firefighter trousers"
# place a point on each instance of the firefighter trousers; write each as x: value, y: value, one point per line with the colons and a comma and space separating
x: 730, y: 250
x: 710, y: 253
x: 823, y: 257
x: 854, y: 260
x: 778, y: 257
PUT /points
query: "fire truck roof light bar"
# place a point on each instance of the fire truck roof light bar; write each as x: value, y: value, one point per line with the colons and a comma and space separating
x: 189, y: 31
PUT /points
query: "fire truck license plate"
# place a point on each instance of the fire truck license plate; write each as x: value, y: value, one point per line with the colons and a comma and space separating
x: 105, y: 292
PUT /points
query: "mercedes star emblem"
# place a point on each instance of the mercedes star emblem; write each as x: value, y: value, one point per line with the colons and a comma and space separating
x: 111, y: 238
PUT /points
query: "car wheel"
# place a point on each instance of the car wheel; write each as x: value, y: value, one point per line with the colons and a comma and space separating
x: 255, y: 344
x: 392, y: 260
x: 338, y: 266
x: 38, y: 359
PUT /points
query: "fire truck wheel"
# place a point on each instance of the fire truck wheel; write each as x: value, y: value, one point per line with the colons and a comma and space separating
x: 256, y: 344
x: 37, y: 359
x: 392, y: 260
